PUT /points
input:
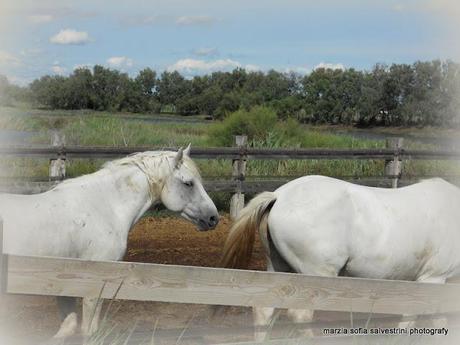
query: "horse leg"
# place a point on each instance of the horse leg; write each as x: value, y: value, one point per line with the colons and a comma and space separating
x: 302, y: 316
x: 262, y: 318
x: 313, y: 269
x: 278, y: 264
x: 68, y: 313
x: 438, y: 323
x: 90, y: 315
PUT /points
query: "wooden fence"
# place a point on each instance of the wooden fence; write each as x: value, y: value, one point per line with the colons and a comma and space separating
x: 213, y: 286
x: 182, y: 284
x: 394, y: 154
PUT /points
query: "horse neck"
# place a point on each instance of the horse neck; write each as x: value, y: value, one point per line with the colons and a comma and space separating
x: 133, y: 193
x: 124, y: 191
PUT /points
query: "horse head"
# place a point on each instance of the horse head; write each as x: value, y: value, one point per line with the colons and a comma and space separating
x: 183, y: 192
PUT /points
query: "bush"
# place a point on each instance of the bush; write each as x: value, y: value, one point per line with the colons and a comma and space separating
x: 255, y: 123
x: 263, y: 129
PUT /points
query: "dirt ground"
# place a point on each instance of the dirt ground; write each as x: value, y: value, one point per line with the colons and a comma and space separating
x: 167, y: 240
x: 164, y: 240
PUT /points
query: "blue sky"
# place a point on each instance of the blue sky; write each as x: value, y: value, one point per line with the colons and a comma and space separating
x: 197, y: 37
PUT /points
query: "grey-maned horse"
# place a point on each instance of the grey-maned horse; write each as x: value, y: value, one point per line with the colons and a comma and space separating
x: 322, y: 226
x: 89, y: 217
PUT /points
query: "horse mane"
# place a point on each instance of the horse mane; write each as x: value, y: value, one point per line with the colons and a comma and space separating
x: 156, y: 165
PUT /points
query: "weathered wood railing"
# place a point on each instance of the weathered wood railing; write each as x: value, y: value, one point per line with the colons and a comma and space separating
x: 215, y: 286
x: 394, y: 154
x: 186, y: 284
x: 232, y: 152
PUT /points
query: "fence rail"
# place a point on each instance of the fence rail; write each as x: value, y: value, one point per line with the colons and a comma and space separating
x: 393, y: 155
x: 36, y: 275
x: 214, y: 286
x: 247, y: 187
x: 182, y: 284
x: 231, y: 152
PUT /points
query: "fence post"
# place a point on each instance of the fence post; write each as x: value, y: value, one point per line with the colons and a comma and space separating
x: 57, y: 165
x: 238, y: 174
x: 393, y: 167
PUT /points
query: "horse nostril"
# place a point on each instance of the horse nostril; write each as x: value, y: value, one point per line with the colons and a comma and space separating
x: 213, y: 220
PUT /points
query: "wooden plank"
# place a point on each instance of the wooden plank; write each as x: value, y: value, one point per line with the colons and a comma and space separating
x: 230, y: 152
x: 33, y: 187
x: 183, y: 284
x: 196, y: 332
x: 352, y: 340
x: 111, y: 152
x: 249, y: 186
x: 201, y: 334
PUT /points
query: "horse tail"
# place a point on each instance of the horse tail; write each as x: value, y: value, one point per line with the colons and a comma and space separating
x: 240, y: 241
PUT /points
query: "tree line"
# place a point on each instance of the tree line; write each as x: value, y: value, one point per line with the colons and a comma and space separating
x: 418, y: 94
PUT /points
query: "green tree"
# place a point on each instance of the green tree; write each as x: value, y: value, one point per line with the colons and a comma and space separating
x: 171, y: 87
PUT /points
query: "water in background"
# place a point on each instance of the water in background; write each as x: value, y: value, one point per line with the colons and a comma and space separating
x: 443, y: 142
x: 13, y: 137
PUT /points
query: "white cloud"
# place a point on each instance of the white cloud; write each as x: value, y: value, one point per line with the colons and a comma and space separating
x: 151, y: 20
x: 192, y: 66
x: 144, y: 20
x: 330, y: 66
x: 7, y: 59
x: 40, y: 18
x: 196, y: 67
x: 119, y: 62
x: 205, y: 51
x: 306, y: 70
x: 13, y: 79
x: 83, y: 65
x: 297, y: 69
x: 58, y: 69
x: 252, y: 68
x: 195, y: 20
x: 70, y: 36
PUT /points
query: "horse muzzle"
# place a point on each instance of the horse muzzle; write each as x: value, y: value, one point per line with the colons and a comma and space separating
x: 208, y: 224
x: 203, y: 224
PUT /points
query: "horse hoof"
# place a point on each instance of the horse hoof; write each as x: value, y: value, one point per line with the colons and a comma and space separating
x: 68, y: 327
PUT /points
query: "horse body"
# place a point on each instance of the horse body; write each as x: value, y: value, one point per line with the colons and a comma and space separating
x: 89, y: 217
x: 323, y: 226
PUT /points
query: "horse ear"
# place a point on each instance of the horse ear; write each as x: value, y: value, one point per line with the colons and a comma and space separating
x: 178, y: 158
x: 187, y: 150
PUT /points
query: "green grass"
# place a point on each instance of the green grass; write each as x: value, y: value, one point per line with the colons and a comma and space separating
x: 103, y: 129
x: 118, y: 132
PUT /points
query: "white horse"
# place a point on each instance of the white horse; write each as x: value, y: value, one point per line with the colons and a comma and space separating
x: 89, y: 217
x: 322, y: 226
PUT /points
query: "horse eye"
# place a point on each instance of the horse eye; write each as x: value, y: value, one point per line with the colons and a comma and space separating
x: 188, y: 183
